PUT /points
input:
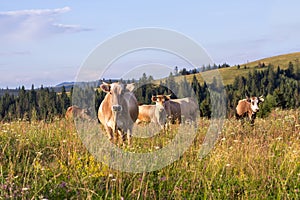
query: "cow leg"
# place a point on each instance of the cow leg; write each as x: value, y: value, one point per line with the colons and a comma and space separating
x: 109, y: 132
x: 237, y: 116
x: 117, y: 136
x: 252, y: 119
x: 129, y: 136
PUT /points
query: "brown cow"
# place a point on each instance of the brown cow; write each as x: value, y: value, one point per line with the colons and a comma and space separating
x: 248, y: 107
x: 152, y: 113
x: 119, y: 110
x: 76, y: 112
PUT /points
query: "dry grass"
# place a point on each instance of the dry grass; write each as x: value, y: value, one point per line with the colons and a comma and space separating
x: 48, y: 160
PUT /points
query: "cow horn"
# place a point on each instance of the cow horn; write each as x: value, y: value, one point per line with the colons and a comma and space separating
x: 168, y: 96
x: 261, y: 98
x: 246, y: 95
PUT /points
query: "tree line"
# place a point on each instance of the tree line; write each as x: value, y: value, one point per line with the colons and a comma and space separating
x: 280, y: 88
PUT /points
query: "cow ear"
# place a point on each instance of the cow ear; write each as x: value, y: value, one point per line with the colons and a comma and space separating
x: 105, y: 87
x: 153, y: 98
x: 130, y: 87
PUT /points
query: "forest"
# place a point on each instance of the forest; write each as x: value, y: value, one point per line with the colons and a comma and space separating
x: 280, y: 88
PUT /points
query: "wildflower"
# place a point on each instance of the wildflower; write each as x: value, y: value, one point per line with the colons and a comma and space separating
x: 163, y: 178
x: 25, y: 189
x: 63, y: 184
x: 223, y: 139
x: 114, y: 179
x: 279, y: 138
x: 110, y: 175
x: 157, y: 147
x: 228, y: 165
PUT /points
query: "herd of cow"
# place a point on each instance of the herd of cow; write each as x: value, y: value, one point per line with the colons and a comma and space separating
x: 119, y: 110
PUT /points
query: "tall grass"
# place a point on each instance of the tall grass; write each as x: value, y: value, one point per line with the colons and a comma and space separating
x: 48, y: 161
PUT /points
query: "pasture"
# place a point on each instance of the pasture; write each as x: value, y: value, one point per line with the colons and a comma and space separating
x: 48, y: 161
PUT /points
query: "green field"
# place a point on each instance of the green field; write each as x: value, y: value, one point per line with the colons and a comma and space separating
x: 48, y: 161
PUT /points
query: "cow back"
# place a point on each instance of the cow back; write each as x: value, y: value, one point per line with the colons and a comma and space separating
x: 243, y: 107
x: 146, y: 113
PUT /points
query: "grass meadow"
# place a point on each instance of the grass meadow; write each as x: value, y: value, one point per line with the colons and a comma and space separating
x: 40, y: 160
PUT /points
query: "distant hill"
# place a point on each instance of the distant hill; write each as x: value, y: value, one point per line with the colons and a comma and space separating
x: 279, y: 60
x: 9, y: 91
x: 66, y: 84
x: 228, y: 74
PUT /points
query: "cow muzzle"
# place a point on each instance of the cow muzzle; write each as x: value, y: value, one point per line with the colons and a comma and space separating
x: 116, y: 108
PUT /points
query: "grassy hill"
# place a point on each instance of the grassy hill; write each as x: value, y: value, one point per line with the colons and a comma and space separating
x: 228, y: 74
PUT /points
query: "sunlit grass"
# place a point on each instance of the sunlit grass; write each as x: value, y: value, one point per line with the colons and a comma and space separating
x: 48, y: 160
x: 228, y: 74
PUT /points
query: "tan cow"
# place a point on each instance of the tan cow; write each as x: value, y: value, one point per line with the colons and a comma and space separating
x: 248, y: 107
x: 155, y: 114
x: 119, y: 110
x: 172, y: 108
x: 76, y: 112
x: 178, y: 110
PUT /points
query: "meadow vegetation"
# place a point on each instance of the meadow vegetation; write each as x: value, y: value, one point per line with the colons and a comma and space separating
x: 47, y: 160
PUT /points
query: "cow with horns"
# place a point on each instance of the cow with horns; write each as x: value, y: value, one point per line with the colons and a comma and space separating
x: 248, y: 108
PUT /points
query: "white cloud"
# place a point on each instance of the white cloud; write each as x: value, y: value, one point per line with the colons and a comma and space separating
x: 36, y: 12
x: 14, y: 53
x: 32, y: 24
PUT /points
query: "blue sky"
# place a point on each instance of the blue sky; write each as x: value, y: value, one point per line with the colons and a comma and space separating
x: 45, y: 42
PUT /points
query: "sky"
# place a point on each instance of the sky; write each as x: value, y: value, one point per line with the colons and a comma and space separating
x: 46, y: 42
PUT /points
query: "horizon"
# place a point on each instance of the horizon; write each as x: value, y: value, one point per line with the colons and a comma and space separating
x: 66, y: 82
x: 45, y: 43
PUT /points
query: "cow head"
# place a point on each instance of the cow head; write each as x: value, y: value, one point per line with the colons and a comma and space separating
x: 160, y: 111
x: 119, y: 102
x: 117, y: 91
x: 254, y: 102
x: 160, y: 99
